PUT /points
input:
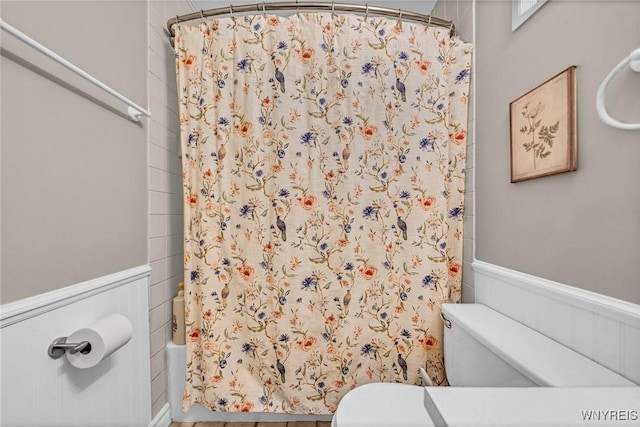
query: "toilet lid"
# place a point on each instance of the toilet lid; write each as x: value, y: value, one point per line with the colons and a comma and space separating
x: 537, y: 406
x: 383, y: 405
x: 402, y: 405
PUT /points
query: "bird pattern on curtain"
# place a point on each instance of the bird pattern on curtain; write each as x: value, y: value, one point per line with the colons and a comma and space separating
x: 323, y: 168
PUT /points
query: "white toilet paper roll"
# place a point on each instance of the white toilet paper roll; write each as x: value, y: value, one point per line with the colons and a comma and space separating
x: 105, y: 336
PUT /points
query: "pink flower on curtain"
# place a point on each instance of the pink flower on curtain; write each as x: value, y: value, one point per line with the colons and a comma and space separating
x: 323, y: 173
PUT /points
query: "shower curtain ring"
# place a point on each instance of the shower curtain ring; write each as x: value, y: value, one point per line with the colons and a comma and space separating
x: 264, y: 9
x: 333, y: 7
x: 429, y: 23
x: 231, y: 10
x: 366, y: 11
x: 399, y: 14
x: 202, y: 16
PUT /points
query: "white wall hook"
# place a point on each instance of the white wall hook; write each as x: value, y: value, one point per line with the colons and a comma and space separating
x: 634, y: 63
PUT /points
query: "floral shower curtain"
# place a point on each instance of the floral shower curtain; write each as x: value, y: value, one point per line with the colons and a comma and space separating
x: 323, y: 168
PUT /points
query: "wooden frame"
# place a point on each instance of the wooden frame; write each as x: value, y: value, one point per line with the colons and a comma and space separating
x: 543, y: 129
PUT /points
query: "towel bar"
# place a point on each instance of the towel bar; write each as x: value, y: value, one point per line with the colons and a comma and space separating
x: 634, y: 62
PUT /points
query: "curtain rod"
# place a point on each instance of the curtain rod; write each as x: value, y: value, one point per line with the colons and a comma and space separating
x: 297, y: 6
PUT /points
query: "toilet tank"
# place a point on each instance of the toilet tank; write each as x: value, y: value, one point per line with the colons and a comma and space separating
x: 483, y: 348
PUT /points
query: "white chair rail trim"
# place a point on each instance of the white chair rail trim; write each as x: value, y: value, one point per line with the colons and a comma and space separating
x: 23, y: 309
x: 613, y: 308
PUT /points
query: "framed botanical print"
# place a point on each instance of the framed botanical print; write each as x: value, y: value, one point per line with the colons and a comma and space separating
x: 543, y: 129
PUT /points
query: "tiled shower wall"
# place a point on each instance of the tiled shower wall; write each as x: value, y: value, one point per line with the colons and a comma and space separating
x: 165, y: 190
x: 461, y: 13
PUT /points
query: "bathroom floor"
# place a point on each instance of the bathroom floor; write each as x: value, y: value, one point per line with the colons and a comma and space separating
x: 261, y: 424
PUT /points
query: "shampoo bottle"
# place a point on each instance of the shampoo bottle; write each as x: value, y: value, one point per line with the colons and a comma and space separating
x: 178, y: 316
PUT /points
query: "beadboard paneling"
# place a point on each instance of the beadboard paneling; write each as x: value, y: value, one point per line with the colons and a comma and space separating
x: 604, y: 329
x: 40, y: 391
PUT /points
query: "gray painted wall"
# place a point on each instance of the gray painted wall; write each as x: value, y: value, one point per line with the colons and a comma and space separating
x: 580, y: 228
x: 73, y: 171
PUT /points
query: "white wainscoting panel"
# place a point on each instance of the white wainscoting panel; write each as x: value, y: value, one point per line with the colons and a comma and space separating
x: 40, y: 391
x: 604, y: 329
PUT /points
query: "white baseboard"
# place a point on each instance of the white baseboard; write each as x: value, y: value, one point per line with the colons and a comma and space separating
x: 604, y: 329
x: 162, y: 418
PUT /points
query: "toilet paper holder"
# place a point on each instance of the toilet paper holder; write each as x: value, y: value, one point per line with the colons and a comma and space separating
x: 60, y: 345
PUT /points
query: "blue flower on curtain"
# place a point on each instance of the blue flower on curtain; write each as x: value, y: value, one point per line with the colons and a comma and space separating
x: 323, y: 174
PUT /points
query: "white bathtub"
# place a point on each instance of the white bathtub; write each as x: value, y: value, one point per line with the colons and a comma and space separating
x: 176, y: 362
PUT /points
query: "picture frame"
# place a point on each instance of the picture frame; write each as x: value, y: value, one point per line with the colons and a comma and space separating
x: 543, y: 126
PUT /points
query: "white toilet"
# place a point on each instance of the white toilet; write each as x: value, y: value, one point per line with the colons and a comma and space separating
x: 502, y: 374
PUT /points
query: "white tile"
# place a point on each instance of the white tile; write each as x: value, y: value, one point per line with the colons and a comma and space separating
x: 172, y: 141
x: 158, y: 203
x: 158, y: 317
x: 471, y: 156
x: 469, y: 208
x: 168, y: 336
x: 470, y: 111
x: 158, y: 110
x: 171, y: 82
x: 158, y: 5
x: 468, y: 294
x: 471, y: 138
x: 175, y: 184
x: 175, y: 246
x: 174, y: 121
x: 469, y: 180
x: 157, y: 64
x: 159, y: 157
x: 468, y: 226
x: 176, y: 267
x: 157, y: 88
x: 468, y: 276
x: 158, y: 340
x: 158, y: 272
x: 467, y: 250
x: 175, y: 225
x: 159, y: 363
x: 157, y: 40
x: 172, y: 99
x: 159, y: 180
x: 175, y: 203
x: 157, y: 406
x: 157, y: 248
x: 157, y: 132
x: 157, y: 225
x: 156, y: 13
x: 175, y: 164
